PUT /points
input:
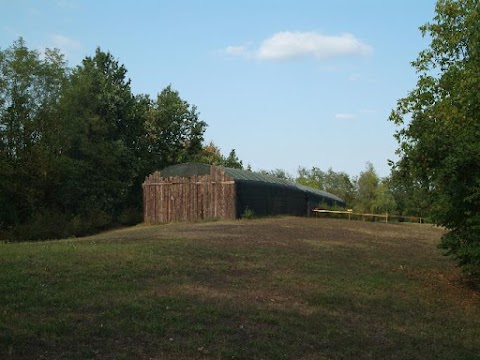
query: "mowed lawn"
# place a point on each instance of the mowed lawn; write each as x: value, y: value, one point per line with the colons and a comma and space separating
x: 277, y: 288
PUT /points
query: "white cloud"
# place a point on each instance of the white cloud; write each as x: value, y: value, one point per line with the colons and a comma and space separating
x: 345, y: 116
x: 237, y: 51
x: 287, y: 45
x: 64, y: 43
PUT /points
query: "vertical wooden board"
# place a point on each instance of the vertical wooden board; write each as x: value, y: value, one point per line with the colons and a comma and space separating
x: 213, y: 190
x: 177, y: 200
x: 165, y: 206
x: 156, y: 198
x: 201, y: 186
x: 152, y: 203
x: 145, y: 203
x: 185, y: 204
x: 205, y: 197
x: 181, y: 200
x: 162, y: 205
x: 211, y: 200
x: 193, y: 198
x: 173, y: 196
x: 186, y: 198
x: 199, y: 190
x: 174, y: 216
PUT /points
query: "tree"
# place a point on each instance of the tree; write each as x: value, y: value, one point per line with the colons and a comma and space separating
x: 30, y: 145
x: 278, y: 173
x: 340, y: 184
x: 409, y: 196
x: 367, y: 184
x: 384, y: 201
x: 174, y: 130
x: 211, y: 154
x: 313, y: 178
x: 103, y: 134
x: 439, y: 133
x: 232, y: 160
x: 76, y: 145
x: 337, y: 183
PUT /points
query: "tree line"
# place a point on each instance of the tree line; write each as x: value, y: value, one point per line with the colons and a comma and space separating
x: 367, y: 192
x: 76, y: 144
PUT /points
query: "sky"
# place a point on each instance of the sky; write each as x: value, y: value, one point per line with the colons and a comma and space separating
x: 284, y: 83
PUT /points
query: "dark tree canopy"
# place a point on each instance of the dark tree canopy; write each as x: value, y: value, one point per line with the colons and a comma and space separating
x: 439, y: 132
x: 76, y: 144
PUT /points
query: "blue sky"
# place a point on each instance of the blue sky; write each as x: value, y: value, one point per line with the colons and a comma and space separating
x: 285, y: 83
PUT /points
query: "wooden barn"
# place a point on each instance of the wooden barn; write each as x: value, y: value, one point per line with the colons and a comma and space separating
x: 190, y: 192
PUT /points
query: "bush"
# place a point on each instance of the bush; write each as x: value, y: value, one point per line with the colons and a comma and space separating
x: 248, y: 214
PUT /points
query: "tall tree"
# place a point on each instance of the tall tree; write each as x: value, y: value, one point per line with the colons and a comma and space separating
x: 104, y: 140
x: 30, y: 145
x: 384, y: 201
x: 174, y: 130
x: 232, y: 160
x: 440, y: 127
x: 367, y: 184
x: 410, y: 197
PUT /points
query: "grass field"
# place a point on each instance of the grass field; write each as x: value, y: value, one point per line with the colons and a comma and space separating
x: 279, y: 288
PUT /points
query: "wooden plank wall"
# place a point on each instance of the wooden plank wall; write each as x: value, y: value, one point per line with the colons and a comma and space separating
x: 189, y: 198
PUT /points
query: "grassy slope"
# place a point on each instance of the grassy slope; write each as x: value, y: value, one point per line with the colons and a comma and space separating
x: 265, y: 289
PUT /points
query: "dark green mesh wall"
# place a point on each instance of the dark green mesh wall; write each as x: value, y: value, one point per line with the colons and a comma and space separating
x: 269, y: 199
x: 263, y: 194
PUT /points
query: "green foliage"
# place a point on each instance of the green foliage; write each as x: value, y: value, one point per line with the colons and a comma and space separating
x: 173, y: 129
x: 99, y: 107
x: 278, y: 173
x: 367, y: 185
x: 384, y: 201
x: 211, y: 154
x: 232, y: 160
x: 410, y: 197
x: 30, y: 144
x: 76, y: 145
x: 248, y: 214
x: 440, y: 129
x: 337, y: 183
